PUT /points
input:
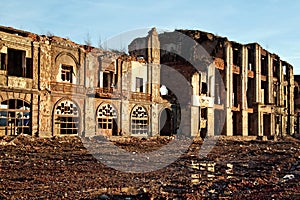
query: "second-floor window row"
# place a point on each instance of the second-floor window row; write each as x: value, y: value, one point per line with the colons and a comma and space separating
x: 16, y: 63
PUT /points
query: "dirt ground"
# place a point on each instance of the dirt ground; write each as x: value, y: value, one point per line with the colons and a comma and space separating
x: 63, y: 168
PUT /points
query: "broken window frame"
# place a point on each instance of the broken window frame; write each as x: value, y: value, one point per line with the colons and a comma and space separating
x: 66, y: 118
x: 17, y: 64
x: 108, y: 79
x: 106, y: 119
x: 16, y: 117
x: 67, y: 73
x: 139, y: 121
x: 139, y: 84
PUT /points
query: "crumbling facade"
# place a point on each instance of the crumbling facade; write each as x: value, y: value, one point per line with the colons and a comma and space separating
x: 51, y: 86
x: 297, y: 104
x: 248, y: 86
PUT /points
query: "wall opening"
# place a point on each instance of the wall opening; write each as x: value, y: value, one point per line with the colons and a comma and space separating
x: 264, y: 65
x: 275, y: 68
x: 108, y: 79
x: 266, y: 124
x: 203, y: 131
x: 219, y: 116
x: 236, y: 56
x: 139, y: 84
x: 166, y: 123
x: 139, y: 120
x: 251, y: 59
x: 66, y: 118
x: 236, y: 123
x: 18, y: 65
x: 236, y: 90
x: 107, y: 120
x: 3, y: 61
x: 15, y: 117
x: 251, y: 124
x: 203, y: 88
x: 265, y: 93
x: 67, y: 73
x: 250, y: 92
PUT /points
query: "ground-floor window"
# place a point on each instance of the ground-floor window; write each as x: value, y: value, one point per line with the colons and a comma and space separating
x: 15, y: 117
x: 139, y: 120
x: 66, y: 118
x: 107, y: 119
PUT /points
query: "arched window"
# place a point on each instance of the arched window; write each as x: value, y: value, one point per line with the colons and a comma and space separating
x: 66, y: 118
x: 15, y: 117
x: 139, y: 120
x: 107, y: 119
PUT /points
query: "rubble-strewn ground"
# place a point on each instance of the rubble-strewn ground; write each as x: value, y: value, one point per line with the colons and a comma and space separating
x: 59, y: 168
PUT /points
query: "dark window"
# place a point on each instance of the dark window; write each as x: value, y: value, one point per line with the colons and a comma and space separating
x: 275, y: 68
x: 251, y: 59
x: 264, y: 65
x: 204, y: 113
x: 28, y: 68
x: 236, y: 90
x: 3, y: 61
x: 16, y: 63
x: 109, y: 79
x: 264, y: 86
x: 251, y: 92
x: 204, y: 88
x: 236, y: 57
x: 66, y: 73
x: 139, y: 85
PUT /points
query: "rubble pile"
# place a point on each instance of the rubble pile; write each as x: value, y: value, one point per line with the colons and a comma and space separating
x: 63, y: 168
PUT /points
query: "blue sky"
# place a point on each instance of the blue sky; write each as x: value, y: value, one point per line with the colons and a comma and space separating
x: 272, y: 23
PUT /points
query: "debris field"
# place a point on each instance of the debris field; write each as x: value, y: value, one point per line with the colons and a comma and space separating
x: 63, y: 168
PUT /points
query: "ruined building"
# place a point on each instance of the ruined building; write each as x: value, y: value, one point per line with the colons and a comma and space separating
x: 53, y: 86
x: 297, y: 104
x: 248, y: 86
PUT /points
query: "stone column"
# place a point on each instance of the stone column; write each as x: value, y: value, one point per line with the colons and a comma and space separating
x: 229, y: 91
x: 244, y: 77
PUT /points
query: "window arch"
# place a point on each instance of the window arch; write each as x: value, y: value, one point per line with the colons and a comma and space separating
x: 107, y: 119
x: 67, y: 66
x: 66, y: 118
x: 15, y: 117
x: 139, y: 120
